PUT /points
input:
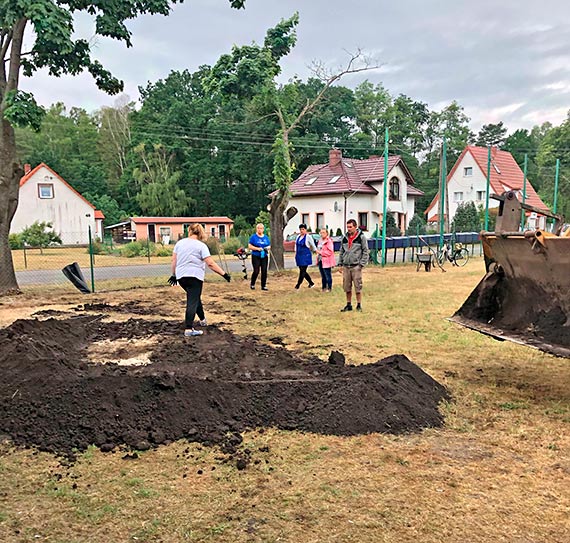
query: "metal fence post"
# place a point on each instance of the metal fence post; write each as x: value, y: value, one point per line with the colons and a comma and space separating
x: 91, y: 261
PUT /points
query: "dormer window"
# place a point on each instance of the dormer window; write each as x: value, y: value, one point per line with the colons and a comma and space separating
x: 45, y: 191
x: 334, y: 179
x: 311, y: 180
x: 394, y: 189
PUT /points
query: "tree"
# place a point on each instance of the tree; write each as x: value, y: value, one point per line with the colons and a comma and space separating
x: 160, y: 193
x: 417, y: 226
x: 391, y: 227
x: 491, y: 135
x: 466, y: 218
x: 39, y: 235
x: 109, y: 206
x: 51, y: 24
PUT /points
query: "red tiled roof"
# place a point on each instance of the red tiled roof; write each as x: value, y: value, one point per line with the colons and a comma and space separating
x: 24, y: 179
x: 181, y: 220
x: 505, y: 174
x: 354, y: 176
x: 99, y: 214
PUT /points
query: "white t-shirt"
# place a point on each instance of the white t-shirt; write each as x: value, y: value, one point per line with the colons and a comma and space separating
x: 190, y: 255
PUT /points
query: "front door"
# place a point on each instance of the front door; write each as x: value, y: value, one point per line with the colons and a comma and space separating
x: 152, y: 232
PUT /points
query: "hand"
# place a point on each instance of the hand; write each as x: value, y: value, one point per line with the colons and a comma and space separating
x: 172, y: 280
x: 227, y: 277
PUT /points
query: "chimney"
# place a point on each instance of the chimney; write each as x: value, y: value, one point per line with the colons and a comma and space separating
x: 335, y: 156
x: 27, y: 169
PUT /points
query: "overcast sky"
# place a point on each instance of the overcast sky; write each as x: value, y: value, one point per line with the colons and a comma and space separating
x: 502, y: 60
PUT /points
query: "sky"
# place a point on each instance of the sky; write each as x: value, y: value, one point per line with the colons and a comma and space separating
x: 502, y: 60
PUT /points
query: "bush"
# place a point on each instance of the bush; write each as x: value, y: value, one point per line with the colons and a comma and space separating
x: 163, y: 250
x: 231, y: 246
x: 417, y: 226
x: 134, y: 248
x: 338, y: 232
x: 39, y: 235
x: 16, y: 241
x: 213, y: 244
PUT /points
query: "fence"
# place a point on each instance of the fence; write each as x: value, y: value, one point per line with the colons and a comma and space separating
x: 112, y: 266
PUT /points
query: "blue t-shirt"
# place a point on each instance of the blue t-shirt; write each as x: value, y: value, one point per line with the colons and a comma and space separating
x: 259, y: 241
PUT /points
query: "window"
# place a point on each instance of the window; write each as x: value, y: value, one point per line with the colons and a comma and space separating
x: 305, y: 219
x: 458, y: 197
x: 394, y: 189
x: 481, y: 195
x: 164, y: 231
x: 334, y: 179
x: 363, y: 221
x: 468, y: 171
x: 213, y: 231
x: 222, y: 231
x: 311, y: 180
x: 45, y: 190
x: 320, y: 221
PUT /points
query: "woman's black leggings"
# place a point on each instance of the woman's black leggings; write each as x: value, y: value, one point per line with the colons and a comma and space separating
x: 193, y: 288
x: 303, y: 275
x: 258, y: 264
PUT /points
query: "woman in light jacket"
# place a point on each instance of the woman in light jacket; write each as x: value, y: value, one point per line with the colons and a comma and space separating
x: 304, y: 249
x: 325, y: 259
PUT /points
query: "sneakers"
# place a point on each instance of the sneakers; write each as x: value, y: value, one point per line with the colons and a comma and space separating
x: 252, y: 287
x: 297, y: 287
x: 264, y: 288
x: 203, y: 322
x: 347, y: 307
x: 311, y: 285
x: 358, y: 307
x: 192, y: 332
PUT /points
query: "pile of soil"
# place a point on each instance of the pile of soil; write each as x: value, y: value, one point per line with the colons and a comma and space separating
x: 205, y: 389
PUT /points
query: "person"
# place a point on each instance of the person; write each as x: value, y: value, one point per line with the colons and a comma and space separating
x: 325, y: 259
x: 304, y: 249
x: 352, y: 258
x: 189, y: 260
x: 259, y: 246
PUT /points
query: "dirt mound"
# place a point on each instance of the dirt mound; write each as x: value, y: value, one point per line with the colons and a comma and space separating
x: 204, y: 389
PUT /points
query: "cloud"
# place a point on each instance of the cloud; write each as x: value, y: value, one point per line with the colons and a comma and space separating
x: 505, y: 60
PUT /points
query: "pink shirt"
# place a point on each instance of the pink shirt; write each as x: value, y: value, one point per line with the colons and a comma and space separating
x: 326, y: 247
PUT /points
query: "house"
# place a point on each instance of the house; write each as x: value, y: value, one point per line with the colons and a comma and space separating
x: 328, y: 195
x: 467, y: 182
x: 46, y: 197
x: 167, y: 229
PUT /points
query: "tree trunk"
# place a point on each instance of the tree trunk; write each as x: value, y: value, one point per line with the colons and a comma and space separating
x: 10, y: 174
x: 277, y: 225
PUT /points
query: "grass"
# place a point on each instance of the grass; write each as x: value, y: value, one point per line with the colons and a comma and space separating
x: 498, y: 471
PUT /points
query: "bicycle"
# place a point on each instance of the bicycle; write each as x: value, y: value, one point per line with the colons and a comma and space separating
x: 458, y: 255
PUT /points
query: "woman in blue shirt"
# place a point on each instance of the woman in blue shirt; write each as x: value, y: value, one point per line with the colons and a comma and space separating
x: 304, y: 249
x: 259, y: 245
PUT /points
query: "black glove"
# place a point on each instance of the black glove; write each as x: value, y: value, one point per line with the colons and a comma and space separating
x: 172, y: 280
x: 227, y: 277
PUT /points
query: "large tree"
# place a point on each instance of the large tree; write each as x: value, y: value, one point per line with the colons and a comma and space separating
x: 49, y: 24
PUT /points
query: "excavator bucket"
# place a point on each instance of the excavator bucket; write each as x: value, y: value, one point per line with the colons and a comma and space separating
x: 525, y: 295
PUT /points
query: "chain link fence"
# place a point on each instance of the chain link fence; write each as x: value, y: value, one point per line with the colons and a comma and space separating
x: 107, y: 265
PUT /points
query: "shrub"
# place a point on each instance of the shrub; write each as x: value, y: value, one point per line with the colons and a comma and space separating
x: 417, y: 226
x: 338, y: 232
x: 134, y: 248
x: 39, y: 235
x: 163, y: 250
x: 213, y: 244
x: 16, y: 241
x: 231, y: 246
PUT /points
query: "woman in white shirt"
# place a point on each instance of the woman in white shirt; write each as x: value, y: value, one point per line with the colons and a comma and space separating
x: 189, y: 260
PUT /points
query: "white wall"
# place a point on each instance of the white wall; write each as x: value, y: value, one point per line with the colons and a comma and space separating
x: 355, y: 204
x: 70, y: 215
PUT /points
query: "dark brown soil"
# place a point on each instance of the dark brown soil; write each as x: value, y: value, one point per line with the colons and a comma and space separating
x: 520, y: 306
x: 205, y: 389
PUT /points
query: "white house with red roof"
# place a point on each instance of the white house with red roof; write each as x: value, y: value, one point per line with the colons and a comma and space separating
x: 467, y: 182
x: 328, y: 195
x: 46, y: 197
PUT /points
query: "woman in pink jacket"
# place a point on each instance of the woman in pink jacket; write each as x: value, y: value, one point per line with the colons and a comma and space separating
x: 325, y: 259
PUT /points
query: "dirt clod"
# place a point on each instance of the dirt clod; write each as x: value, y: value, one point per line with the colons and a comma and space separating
x: 207, y: 389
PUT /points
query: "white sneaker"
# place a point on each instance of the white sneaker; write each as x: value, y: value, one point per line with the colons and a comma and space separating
x: 203, y: 322
x: 192, y: 332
